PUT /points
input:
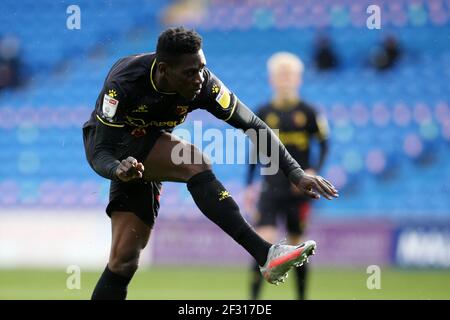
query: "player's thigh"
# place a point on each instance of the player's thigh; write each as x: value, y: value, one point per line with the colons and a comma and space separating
x: 173, y: 159
x: 129, y: 235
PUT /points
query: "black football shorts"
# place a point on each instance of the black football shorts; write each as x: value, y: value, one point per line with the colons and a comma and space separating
x: 139, y: 197
x: 294, y: 211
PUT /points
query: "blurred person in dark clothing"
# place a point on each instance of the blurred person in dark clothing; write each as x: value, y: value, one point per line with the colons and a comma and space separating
x: 299, y: 124
x: 324, y: 56
x: 386, y: 56
x: 9, y: 62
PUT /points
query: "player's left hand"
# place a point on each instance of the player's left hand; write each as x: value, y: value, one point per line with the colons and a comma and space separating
x: 294, y: 188
x: 129, y: 169
x: 314, y: 186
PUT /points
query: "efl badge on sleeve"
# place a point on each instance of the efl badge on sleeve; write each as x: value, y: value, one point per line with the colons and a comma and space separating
x: 223, y: 97
x: 109, y: 106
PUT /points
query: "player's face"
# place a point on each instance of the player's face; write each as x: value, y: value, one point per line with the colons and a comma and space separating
x: 186, y: 76
x: 285, y: 79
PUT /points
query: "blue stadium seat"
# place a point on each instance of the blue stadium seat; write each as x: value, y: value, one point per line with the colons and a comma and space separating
x: 67, y: 78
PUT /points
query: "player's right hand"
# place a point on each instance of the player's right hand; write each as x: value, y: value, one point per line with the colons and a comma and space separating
x: 129, y: 169
x: 294, y: 189
x: 314, y: 186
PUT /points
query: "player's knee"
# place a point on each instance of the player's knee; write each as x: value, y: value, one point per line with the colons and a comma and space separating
x: 203, y: 164
x: 201, y: 167
x: 125, y: 264
x: 195, y: 169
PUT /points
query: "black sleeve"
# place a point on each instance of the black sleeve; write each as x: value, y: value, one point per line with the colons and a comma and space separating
x: 105, y: 142
x: 320, y: 130
x: 109, y: 129
x: 252, y: 167
x: 216, y: 98
x: 243, y: 118
x: 110, y: 109
x: 254, y: 159
x: 323, y: 154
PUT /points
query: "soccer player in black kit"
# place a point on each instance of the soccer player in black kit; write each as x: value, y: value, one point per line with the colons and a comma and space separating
x: 128, y: 140
x: 298, y: 123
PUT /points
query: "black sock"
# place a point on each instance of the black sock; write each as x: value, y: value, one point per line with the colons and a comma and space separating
x: 301, y: 281
x: 217, y: 204
x: 111, y: 286
x: 256, y: 282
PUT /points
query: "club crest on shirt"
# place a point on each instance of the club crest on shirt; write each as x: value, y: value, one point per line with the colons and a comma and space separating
x: 138, y: 132
x: 180, y: 110
x: 272, y: 120
x: 299, y: 118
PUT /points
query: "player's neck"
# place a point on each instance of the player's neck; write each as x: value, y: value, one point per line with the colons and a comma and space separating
x: 285, y: 102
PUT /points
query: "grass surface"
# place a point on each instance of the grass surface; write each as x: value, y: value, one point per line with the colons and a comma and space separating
x: 164, y: 283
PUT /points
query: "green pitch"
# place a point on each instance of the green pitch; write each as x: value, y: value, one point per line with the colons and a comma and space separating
x: 163, y: 283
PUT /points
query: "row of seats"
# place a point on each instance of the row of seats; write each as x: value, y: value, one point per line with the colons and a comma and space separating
x: 396, y: 194
x: 396, y: 115
x: 45, y: 38
x: 254, y: 92
x: 356, y: 152
x: 321, y: 14
x: 390, y: 131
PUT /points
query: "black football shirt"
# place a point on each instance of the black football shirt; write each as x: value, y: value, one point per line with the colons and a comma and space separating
x: 129, y: 98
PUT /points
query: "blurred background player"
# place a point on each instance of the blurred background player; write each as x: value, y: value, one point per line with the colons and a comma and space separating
x: 298, y: 123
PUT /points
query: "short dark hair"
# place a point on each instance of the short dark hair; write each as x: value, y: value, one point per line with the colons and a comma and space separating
x: 177, y: 41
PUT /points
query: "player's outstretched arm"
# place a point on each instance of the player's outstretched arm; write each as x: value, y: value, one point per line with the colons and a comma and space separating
x: 310, y: 185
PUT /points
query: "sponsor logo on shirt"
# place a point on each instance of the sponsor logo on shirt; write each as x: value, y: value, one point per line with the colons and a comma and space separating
x: 140, y: 123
